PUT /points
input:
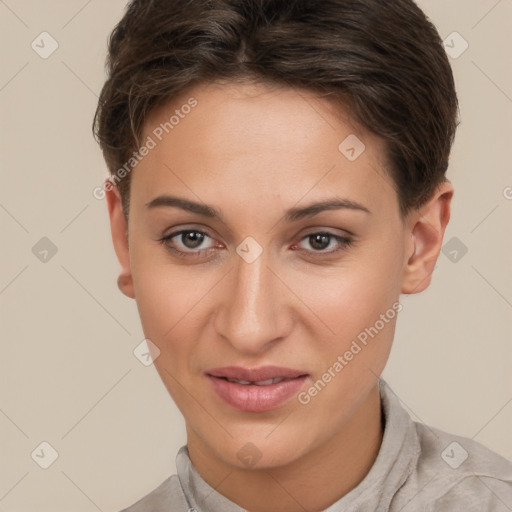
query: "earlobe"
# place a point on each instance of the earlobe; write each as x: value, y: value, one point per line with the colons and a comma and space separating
x: 119, y: 230
x: 426, y: 228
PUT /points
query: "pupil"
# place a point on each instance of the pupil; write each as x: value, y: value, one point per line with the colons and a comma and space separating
x: 194, y: 237
x: 322, y: 240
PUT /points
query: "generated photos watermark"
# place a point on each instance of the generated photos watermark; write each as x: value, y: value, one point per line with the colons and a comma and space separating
x: 150, y: 143
x: 355, y: 348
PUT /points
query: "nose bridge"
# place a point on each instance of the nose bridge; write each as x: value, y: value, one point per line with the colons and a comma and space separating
x: 251, y: 315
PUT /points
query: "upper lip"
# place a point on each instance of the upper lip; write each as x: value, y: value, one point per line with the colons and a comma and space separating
x: 256, y: 374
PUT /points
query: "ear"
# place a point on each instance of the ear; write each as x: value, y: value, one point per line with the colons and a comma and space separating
x: 426, y: 227
x: 119, y: 229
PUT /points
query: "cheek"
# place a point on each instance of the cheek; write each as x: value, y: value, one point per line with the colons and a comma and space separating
x: 356, y: 311
x: 352, y: 296
x: 162, y: 292
x: 165, y: 302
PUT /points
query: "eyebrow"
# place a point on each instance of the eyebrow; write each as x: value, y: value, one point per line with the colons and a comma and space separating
x: 292, y: 215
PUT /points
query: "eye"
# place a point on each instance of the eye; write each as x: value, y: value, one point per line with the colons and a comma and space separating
x: 191, y: 243
x: 186, y: 242
x: 323, y: 240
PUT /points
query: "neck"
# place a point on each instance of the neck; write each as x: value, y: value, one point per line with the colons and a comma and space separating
x: 311, y: 483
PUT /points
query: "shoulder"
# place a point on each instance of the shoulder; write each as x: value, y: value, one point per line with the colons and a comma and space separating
x: 458, y: 473
x: 167, y: 496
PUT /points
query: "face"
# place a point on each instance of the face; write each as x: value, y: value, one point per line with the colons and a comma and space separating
x: 261, y: 277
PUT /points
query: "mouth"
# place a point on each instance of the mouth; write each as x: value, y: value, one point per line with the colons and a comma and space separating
x: 266, y: 382
x: 256, y: 375
x: 256, y: 389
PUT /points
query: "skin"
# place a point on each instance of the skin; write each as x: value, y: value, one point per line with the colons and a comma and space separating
x: 253, y: 151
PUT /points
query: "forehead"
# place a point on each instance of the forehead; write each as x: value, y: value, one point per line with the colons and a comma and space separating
x: 248, y: 138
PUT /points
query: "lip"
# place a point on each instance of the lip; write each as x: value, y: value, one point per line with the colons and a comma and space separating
x: 251, y: 397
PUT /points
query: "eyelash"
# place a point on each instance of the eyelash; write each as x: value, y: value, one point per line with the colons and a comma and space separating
x: 344, y: 242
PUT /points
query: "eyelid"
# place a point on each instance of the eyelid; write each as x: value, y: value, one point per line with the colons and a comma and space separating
x: 331, y: 231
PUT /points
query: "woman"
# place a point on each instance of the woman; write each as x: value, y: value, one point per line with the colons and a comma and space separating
x: 277, y: 182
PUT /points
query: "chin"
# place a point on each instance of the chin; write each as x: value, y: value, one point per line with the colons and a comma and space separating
x: 254, y: 454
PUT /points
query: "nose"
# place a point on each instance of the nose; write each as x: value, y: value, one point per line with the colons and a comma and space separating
x: 254, y: 313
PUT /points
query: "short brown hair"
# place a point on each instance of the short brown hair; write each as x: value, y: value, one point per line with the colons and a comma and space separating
x: 383, y: 60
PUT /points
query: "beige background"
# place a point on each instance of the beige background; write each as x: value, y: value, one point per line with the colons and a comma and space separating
x: 68, y: 375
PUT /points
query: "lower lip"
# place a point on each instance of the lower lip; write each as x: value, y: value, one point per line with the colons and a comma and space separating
x: 254, y: 398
